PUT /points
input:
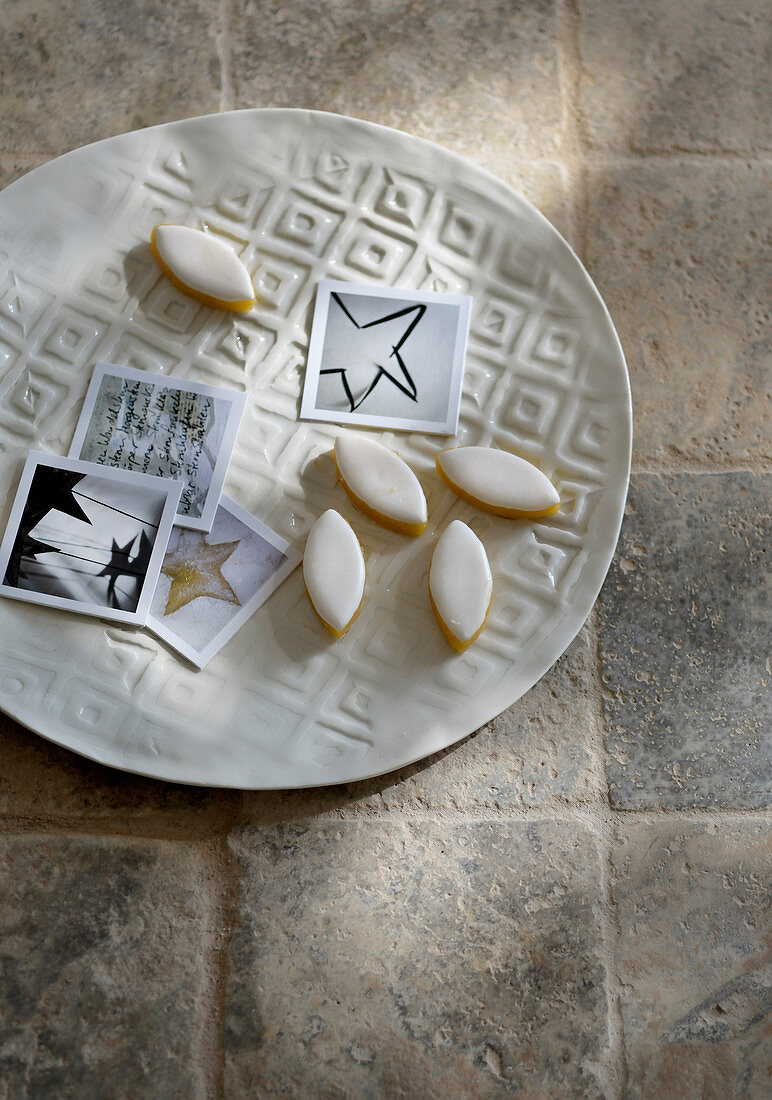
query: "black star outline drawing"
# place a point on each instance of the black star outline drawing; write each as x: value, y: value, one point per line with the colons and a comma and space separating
x: 405, y: 383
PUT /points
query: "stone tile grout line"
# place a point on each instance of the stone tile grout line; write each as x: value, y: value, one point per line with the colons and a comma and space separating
x: 614, y: 1071
x: 630, y: 158
x: 225, y: 56
x: 587, y: 814
x: 611, y: 1070
x: 221, y: 889
x: 699, y: 471
x: 574, y: 141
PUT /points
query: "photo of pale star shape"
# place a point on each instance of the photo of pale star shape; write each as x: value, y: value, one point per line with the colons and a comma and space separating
x: 87, y: 539
x: 386, y: 357
x: 210, y: 584
x: 163, y: 426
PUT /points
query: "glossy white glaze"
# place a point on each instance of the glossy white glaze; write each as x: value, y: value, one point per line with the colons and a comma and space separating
x: 334, y: 571
x: 203, y: 262
x: 263, y: 710
x: 499, y: 479
x: 380, y: 480
x: 460, y: 581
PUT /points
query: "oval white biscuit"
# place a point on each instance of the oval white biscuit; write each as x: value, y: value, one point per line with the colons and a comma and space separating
x: 381, y: 484
x: 334, y: 571
x: 203, y: 265
x: 460, y: 584
x: 498, y: 482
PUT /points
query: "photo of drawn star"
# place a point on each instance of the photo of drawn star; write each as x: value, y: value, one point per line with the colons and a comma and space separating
x: 386, y: 357
x: 210, y: 584
x: 85, y: 541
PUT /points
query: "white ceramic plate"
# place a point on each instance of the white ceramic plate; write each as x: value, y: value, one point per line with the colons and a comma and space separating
x: 305, y: 196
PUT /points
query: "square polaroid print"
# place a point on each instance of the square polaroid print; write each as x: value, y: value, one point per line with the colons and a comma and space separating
x: 210, y: 584
x: 385, y: 357
x: 162, y: 426
x: 86, y: 538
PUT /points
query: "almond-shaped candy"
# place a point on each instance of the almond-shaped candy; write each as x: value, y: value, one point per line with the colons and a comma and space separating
x: 381, y: 484
x: 334, y: 571
x: 460, y: 585
x: 498, y: 482
x: 203, y: 266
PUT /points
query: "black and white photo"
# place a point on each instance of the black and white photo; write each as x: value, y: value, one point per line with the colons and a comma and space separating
x: 87, y: 539
x: 386, y: 357
x: 171, y: 428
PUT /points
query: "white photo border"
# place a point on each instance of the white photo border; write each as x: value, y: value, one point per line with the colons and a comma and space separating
x: 172, y: 491
x: 236, y: 400
x: 325, y: 289
x: 293, y: 557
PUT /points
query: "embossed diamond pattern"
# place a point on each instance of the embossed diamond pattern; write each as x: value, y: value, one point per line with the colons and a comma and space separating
x: 304, y: 197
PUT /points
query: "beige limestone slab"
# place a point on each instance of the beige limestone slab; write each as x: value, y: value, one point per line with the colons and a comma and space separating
x: 678, y: 250
x: 694, y: 960
x: 102, y: 968
x: 470, y: 76
x: 431, y: 960
x: 78, y: 72
x: 684, y: 635
x: 658, y: 76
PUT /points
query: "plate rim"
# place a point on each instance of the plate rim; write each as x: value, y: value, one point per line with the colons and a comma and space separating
x: 506, y: 191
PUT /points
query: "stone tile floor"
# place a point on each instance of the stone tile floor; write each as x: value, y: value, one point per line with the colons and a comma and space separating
x: 574, y: 901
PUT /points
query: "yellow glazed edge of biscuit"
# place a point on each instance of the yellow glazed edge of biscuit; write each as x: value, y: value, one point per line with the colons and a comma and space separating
x: 483, y: 505
x: 337, y: 633
x: 215, y: 303
x: 413, y: 529
x: 457, y: 643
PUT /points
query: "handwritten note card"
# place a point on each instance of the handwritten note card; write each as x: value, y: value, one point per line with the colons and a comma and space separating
x: 165, y: 427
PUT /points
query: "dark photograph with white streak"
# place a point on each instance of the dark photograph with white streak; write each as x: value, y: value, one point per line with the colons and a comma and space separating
x: 87, y: 539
